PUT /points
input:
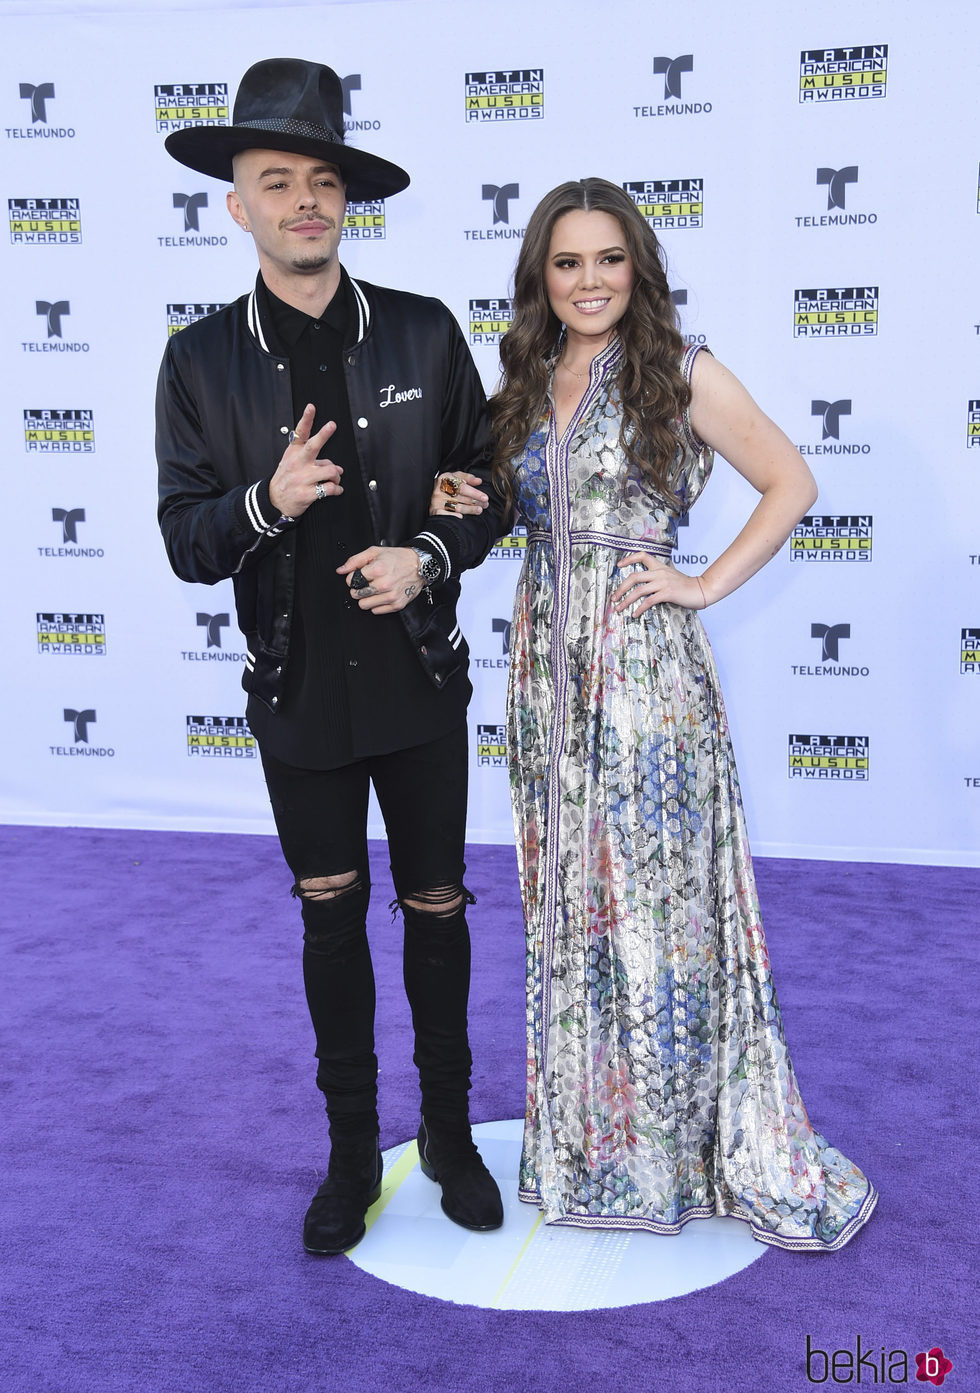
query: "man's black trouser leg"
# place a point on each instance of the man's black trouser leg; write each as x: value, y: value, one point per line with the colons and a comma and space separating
x: 321, y: 816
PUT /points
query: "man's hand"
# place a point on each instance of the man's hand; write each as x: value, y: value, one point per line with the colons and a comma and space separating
x: 294, y: 485
x: 392, y: 575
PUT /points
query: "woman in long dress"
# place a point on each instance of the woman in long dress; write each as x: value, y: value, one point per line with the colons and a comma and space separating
x: 659, y: 1086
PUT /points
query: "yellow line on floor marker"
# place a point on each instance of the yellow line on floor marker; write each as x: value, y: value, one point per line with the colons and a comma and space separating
x: 516, y: 1263
x: 391, y: 1180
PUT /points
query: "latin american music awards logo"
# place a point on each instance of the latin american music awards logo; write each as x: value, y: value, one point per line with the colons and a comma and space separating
x: 45, y: 221
x: 53, y: 431
x: 67, y: 632
x: 511, y: 547
x: 835, y: 312
x: 842, y: 757
x: 844, y: 74
x: 973, y: 422
x: 490, y: 320
x: 832, y: 537
x: 491, y: 746
x: 220, y: 737
x: 508, y: 94
x: 37, y: 95
x: 970, y: 650
x: 365, y: 221
x: 177, y: 105
x: 179, y: 316
x: 669, y: 202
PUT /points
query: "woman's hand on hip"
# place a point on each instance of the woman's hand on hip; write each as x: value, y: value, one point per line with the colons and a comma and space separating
x: 652, y: 582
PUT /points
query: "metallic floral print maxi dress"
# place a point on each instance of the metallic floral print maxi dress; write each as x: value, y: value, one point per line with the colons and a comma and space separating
x: 659, y: 1085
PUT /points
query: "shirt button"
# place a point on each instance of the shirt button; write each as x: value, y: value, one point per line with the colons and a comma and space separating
x: 362, y: 422
x: 373, y: 485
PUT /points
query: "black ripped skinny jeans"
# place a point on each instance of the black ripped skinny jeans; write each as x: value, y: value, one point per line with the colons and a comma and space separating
x: 321, y: 817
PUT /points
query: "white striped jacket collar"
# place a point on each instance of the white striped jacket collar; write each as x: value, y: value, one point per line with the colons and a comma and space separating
x: 363, y: 316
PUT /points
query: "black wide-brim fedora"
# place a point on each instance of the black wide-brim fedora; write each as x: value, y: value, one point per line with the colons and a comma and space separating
x: 294, y: 105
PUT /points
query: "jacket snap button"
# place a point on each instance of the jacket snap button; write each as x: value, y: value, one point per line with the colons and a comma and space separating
x: 352, y: 662
x: 280, y: 367
x: 275, y: 701
x: 373, y: 485
x: 362, y: 422
x: 283, y: 430
x: 351, y: 360
x: 423, y: 650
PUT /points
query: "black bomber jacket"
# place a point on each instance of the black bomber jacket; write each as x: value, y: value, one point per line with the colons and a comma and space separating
x: 224, y: 412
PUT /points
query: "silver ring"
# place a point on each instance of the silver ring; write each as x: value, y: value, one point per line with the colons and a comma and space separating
x: 320, y: 491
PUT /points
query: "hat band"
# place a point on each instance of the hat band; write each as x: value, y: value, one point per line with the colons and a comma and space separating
x: 286, y: 125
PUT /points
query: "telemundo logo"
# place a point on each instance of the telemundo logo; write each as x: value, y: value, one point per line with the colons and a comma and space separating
x: 38, y: 95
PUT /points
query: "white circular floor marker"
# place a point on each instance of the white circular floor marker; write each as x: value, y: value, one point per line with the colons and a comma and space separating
x: 527, y: 1265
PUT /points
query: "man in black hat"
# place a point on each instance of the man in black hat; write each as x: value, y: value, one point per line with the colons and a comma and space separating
x: 299, y: 431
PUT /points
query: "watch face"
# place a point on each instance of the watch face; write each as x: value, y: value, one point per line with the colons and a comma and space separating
x: 428, y: 566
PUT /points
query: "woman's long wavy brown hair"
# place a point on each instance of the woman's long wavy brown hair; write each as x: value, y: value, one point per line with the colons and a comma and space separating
x: 651, y: 388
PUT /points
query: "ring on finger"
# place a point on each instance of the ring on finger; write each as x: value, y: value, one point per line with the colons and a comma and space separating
x: 320, y: 491
x: 451, y: 484
x: 450, y: 506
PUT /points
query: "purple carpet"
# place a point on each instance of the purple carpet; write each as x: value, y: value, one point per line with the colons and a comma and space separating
x: 162, y: 1137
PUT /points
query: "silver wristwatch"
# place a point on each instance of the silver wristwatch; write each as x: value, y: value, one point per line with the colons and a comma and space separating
x: 429, y: 568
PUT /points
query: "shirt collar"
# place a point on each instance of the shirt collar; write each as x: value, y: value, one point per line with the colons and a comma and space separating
x: 288, y: 324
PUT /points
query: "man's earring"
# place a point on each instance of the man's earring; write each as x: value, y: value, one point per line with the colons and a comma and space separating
x: 244, y: 226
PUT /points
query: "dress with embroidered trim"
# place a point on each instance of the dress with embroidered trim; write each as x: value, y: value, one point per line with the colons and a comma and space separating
x: 659, y: 1085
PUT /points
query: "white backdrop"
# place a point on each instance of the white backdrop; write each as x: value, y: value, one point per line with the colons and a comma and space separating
x: 813, y: 173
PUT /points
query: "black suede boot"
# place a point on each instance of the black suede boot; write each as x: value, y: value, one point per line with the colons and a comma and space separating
x: 448, y: 1155
x: 335, y: 1219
